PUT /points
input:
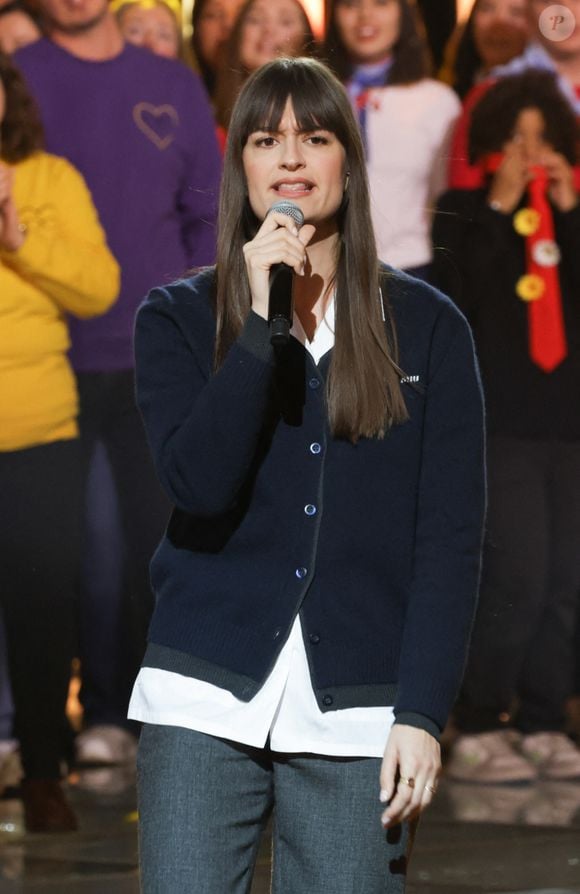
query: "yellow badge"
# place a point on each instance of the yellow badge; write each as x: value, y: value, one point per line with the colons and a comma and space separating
x: 530, y: 287
x: 526, y: 221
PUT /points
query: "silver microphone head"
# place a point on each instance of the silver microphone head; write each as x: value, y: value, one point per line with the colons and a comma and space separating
x: 290, y: 209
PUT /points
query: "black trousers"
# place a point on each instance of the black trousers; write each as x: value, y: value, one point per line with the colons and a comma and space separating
x: 114, y: 624
x: 522, y: 650
x: 39, y: 551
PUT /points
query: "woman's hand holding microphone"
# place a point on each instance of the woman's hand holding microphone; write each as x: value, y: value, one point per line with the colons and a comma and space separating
x: 278, y: 241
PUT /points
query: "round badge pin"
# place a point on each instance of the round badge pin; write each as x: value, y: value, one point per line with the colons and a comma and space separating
x: 546, y: 253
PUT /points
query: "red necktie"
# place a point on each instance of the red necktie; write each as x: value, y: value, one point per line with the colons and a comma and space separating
x: 546, y: 332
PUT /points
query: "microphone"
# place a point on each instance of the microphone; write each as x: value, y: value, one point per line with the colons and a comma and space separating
x: 280, y: 310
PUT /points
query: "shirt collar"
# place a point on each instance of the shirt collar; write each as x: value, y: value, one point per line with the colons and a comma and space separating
x: 323, y: 339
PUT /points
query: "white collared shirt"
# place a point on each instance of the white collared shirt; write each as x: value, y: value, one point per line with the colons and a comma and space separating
x: 408, y: 129
x: 285, y: 707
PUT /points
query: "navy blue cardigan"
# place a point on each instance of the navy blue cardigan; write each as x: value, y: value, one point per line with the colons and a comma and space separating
x: 377, y: 545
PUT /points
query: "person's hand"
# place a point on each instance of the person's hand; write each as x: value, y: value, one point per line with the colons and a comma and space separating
x: 278, y: 241
x: 11, y: 233
x: 409, y: 773
x: 510, y: 179
x: 561, y: 188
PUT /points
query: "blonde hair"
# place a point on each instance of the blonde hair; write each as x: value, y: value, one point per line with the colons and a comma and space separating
x: 174, y: 6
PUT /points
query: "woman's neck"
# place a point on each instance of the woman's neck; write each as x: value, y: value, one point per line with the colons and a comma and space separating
x: 373, y: 67
x: 313, y: 291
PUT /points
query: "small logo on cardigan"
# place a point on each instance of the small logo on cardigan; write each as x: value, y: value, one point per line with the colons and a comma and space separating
x: 411, y: 379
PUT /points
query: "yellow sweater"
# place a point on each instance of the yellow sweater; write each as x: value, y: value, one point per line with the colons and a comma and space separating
x: 64, y: 266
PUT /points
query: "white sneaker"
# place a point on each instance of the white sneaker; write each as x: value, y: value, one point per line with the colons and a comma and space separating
x: 488, y: 758
x: 105, y: 745
x: 553, y: 754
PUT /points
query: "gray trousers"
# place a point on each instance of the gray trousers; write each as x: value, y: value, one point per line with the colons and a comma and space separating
x: 204, y: 802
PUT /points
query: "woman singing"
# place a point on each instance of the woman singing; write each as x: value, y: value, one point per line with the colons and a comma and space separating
x: 316, y: 584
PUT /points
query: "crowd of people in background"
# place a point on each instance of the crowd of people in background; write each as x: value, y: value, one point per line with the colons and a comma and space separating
x: 110, y: 166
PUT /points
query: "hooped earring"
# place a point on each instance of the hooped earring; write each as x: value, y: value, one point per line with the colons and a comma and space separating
x: 347, y: 181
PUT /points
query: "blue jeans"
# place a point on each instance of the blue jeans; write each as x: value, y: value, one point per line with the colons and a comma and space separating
x: 204, y: 802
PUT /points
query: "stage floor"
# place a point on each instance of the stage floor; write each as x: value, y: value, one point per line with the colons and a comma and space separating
x: 474, y: 839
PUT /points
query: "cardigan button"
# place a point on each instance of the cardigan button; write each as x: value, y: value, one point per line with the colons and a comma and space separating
x: 314, y: 383
x: 301, y: 573
x: 315, y: 448
x: 277, y: 632
x: 314, y: 638
x: 310, y: 509
x: 327, y: 700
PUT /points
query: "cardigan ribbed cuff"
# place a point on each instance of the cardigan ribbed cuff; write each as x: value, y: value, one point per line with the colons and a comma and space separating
x: 419, y: 721
x: 255, y: 338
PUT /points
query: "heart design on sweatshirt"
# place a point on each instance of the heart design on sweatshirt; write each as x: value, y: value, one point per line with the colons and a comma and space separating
x: 158, y: 123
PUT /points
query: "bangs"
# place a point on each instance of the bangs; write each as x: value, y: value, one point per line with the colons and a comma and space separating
x: 316, y: 105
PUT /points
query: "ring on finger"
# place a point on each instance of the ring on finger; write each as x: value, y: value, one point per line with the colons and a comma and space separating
x: 407, y: 780
x: 431, y: 788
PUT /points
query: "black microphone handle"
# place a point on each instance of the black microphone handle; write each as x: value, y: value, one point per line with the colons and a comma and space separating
x: 279, y: 332
x: 280, y: 309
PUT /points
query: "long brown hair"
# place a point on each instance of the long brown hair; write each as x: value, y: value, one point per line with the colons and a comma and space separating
x: 232, y: 74
x: 411, y: 60
x: 363, y: 391
x: 206, y: 70
x: 21, y: 131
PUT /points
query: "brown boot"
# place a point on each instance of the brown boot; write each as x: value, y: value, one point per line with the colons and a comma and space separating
x: 46, y: 808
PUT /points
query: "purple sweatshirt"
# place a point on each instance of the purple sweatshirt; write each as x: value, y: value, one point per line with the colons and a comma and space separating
x: 140, y: 129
